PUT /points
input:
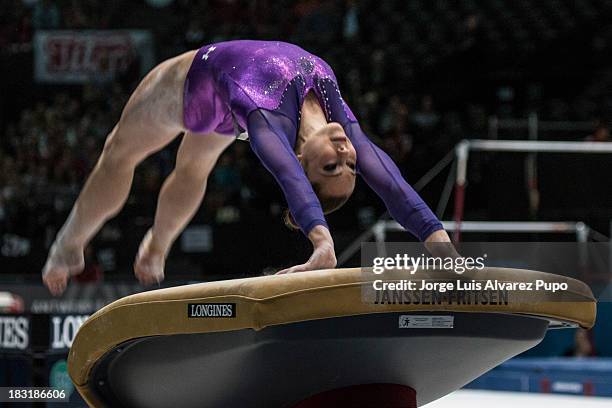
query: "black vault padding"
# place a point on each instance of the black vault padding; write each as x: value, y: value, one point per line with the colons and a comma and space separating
x: 282, y: 365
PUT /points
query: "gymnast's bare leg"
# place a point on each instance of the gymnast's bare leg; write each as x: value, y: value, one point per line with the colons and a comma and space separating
x: 179, y: 199
x: 150, y: 120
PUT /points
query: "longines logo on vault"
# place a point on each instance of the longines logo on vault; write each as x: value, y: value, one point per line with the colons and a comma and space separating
x: 211, y: 310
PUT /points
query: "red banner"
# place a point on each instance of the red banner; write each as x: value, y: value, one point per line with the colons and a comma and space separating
x: 84, y: 56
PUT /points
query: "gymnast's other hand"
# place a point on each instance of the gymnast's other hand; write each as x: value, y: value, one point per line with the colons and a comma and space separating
x: 438, y: 244
x: 323, y: 255
x: 63, y: 261
x: 150, y: 260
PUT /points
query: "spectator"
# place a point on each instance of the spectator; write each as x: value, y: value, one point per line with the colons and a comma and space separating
x: 350, y: 24
x: 194, y: 35
x: 398, y: 145
x: 46, y: 15
x: 583, y: 345
x: 226, y: 176
x: 75, y: 16
x: 601, y: 133
x: 317, y: 22
x: 395, y: 116
x: 426, y: 118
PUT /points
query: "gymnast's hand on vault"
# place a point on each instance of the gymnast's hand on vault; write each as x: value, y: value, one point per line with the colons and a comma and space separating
x: 323, y: 255
x: 439, y: 244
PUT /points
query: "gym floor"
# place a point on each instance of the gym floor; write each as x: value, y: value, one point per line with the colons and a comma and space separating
x: 498, y: 399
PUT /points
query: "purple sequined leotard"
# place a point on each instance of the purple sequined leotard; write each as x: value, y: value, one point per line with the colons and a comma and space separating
x: 260, y: 86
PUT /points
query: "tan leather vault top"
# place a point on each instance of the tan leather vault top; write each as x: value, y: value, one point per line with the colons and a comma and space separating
x: 280, y: 299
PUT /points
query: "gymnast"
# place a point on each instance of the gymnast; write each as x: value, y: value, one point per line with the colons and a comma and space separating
x: 287, y: 102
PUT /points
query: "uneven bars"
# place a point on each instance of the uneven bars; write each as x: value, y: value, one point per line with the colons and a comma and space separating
x: 536, y: 146
x: 463, y: 148
x: 501, y: 226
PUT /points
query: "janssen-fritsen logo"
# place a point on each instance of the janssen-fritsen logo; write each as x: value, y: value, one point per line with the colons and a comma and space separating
x: 226, y: 310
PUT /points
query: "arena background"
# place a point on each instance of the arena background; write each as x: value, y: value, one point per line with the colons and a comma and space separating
x: 420, y: 76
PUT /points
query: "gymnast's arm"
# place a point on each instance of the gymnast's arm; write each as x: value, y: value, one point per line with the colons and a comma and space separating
x: 275, y: 153
x: 404, y: 204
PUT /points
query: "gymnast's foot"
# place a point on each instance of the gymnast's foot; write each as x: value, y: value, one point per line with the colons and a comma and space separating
x: 63, y: 262
x: 149, y: 263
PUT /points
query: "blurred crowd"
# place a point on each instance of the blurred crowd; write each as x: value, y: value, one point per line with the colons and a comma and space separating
x: 419, y: 74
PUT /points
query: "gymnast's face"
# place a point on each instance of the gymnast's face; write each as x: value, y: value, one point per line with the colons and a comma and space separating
x: 329, y: 159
